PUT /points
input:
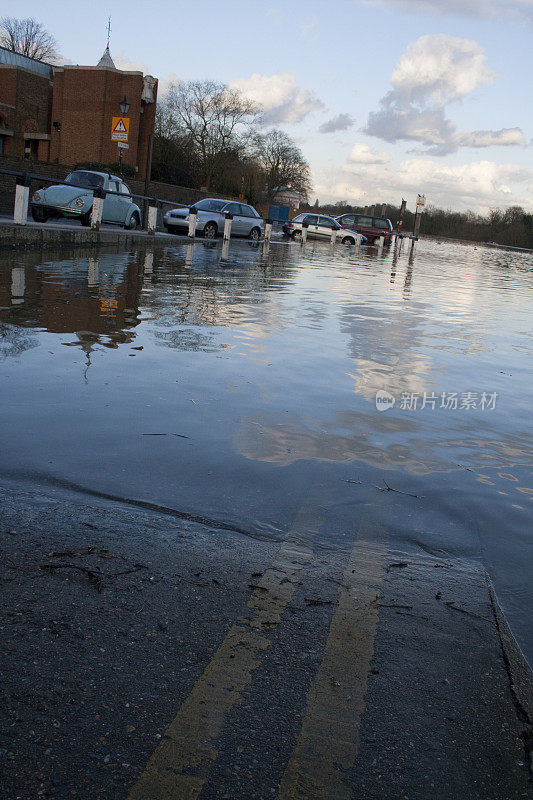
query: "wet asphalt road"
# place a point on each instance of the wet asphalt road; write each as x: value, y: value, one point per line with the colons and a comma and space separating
x: 149, y: 657
x: 227, y: 574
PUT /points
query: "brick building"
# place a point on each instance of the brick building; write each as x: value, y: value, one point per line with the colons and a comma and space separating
x: 63, y: 115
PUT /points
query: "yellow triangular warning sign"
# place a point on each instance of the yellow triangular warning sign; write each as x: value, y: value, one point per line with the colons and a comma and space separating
x: 120, y: 127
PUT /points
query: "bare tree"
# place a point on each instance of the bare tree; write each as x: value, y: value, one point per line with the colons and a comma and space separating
x: 211, y: 115
x: 283, y: 163
x: 27, y: 37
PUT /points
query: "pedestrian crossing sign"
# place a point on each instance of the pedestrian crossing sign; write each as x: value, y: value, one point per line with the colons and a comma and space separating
x: 120, y: 127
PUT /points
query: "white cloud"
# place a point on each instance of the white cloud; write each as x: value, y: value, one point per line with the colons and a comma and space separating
x: 438, y: 69
x: 478, y: 185
x: 309, y: 29
x: 280, y: 97
x: 125, y: 63
x: 485, y: 9
x: 363, y: 154
x: 506, y: 137
x: 339, y: 123
x: 434, y: 71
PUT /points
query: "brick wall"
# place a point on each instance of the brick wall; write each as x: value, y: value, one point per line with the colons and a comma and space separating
x: 85, y: 101
x: 25, y: 102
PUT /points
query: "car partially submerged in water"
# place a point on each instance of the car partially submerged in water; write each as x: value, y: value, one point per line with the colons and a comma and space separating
x: 74, y: 199
x: 319, y: 227
x: 210, y: 218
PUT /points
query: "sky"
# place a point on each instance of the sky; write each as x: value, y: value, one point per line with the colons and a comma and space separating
x: 385, y: 98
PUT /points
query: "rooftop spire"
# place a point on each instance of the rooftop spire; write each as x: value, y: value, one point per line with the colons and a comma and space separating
x: 106, y: 60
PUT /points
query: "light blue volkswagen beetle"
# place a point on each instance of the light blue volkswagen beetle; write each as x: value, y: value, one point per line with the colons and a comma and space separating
x: 75, y: 199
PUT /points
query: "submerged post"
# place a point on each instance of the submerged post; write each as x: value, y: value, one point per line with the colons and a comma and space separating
x: 333, y: 235
x: 305, y: 226
x: 227, y: 226
x: 192, y: 222
x: 225, y: 250
x: 148, y: 265
x: 22, y: 196
x: 268, y: 230
x: 98, y: 207
x: 152, y: 218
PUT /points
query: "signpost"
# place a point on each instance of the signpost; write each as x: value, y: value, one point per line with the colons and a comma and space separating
x: 120, y: 128
x: 420, y: 203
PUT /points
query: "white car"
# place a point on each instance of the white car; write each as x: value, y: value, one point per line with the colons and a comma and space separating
x: 319, y: 227
x: 210, y: 219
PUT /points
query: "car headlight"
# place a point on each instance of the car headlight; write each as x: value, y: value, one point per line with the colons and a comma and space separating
x: 79, y: 202
x: 37, y: 196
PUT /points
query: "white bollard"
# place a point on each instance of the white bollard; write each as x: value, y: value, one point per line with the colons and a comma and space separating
x: 18, y: 285
x: 333, y: 235
x: 268, y: 231
x: 98, y: 207
x: 227, y: 226
x: 189, y: 250
x: 381, y: 242
x: 22, y: 196
x: 358, y: 240
x: 152, y: 220
x: 148, y: 263
x: 303, y: 239
x: 193, y: 216
x: 225, y: 250
x: 92, y: 272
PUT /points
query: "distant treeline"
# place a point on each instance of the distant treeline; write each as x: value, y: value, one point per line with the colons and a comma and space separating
x: 514, y: 226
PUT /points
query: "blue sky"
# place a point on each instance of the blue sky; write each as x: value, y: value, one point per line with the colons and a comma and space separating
x: 386, y: 98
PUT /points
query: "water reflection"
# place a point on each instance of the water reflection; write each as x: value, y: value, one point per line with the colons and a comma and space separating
x: 266, y: 363
x: 96, y: 298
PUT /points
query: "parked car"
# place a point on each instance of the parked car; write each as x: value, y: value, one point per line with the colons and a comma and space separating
x: 75, y: 199
x: 371, y: 227
x: 319, y: 227
x: 210, y: 217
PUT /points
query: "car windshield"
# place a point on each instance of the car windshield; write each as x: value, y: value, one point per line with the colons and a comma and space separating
x: 83, y: 179
x: 210, y: 205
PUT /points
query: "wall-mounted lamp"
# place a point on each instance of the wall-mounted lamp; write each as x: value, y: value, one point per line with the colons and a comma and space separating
x: 124, y: 106
x: 57, y: 126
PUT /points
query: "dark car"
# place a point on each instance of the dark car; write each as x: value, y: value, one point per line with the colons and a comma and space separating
x: 371, y: 227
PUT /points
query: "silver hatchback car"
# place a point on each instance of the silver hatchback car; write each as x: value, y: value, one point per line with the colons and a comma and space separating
x: 319, y: 227
x: 211, y: 216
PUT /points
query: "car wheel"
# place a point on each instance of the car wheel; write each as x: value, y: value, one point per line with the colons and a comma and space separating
x: 348, y: 240
x: 297, y: 235
x: 133, y: 223
x: 255, y: 234
x: 39, y: 214
x: 210, y: 230
x: 85, y: 219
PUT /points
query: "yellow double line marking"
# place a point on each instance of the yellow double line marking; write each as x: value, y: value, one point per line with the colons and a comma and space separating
x: 329, y: 738
x: 179, y: 767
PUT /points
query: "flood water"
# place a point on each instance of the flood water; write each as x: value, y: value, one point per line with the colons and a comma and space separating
x: 232, y: 390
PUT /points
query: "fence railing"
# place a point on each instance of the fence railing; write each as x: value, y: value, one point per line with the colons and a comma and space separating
x: 23, y: 180
x: 151, y: 205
